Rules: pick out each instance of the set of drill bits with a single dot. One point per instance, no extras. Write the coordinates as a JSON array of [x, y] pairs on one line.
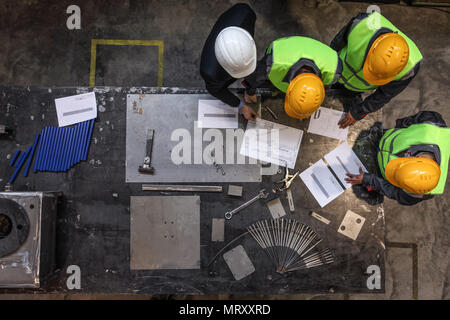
[[290, 244], [57, 149]]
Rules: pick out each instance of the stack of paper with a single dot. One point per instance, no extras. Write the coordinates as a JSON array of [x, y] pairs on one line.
[[343, 160], [320, 180], [271, 142]]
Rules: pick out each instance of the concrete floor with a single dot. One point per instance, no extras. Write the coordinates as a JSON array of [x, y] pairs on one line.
[[38, 49]]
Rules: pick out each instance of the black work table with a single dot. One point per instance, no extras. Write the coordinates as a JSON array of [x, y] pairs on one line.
[[93, 226]]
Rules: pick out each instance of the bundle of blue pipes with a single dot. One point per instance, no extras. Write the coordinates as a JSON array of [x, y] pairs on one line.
[[57, 149]]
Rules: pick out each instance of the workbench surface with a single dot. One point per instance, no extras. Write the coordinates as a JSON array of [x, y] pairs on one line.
[[93, 225]]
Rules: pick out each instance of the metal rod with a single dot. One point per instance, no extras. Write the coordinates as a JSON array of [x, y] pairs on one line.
[[181, 188]]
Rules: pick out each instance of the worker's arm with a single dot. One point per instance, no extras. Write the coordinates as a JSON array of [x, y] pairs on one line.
[[382, 95], [431, 117], [258, 78], [220, 91], [382, 186]]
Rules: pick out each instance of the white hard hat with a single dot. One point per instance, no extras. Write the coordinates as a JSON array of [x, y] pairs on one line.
[[235, 51]]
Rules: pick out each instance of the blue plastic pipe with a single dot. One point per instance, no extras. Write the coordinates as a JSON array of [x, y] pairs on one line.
[[14, 158], [30, 157], [19, 166], [69, 148], [20, 159], [88, 142], [75, 144], [40, 151], [84, 134]]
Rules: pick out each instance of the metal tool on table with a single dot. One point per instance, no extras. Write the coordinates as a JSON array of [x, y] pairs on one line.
[[271, 112], [261, 195], [285, 183], [146, 167]]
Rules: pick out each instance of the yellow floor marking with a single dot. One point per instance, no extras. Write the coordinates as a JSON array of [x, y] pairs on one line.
[[116, 42]]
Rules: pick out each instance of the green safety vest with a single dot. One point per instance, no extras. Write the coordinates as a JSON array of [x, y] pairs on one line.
[[358, 41], [288, 51], [395, 141]]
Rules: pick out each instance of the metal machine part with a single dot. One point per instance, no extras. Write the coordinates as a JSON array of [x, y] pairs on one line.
[[27, 238], [180, 188], [285, 183], [14, 226], [146, 167], [261, 195]]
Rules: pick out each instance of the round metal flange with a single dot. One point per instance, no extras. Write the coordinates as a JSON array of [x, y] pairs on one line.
[[14, 226]]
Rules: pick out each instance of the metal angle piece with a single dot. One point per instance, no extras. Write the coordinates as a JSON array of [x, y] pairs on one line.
[[235, 191], [320, 218], [276, 208], [180, 188], [351, 225], [239, 263], [290, 200]]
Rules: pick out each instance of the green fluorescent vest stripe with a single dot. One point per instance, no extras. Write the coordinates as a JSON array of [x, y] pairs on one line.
[[287, 51], [416, 134], [354, 54]]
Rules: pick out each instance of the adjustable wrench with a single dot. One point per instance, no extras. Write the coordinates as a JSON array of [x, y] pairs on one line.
[[261, 195]]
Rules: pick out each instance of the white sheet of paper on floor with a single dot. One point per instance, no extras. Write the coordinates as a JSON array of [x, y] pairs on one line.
[[276, 208], [75, 109], [351, 225], [324, 122], [321, 182], [216, 114], [271, 142], [239, 263], [218, 230], [343, 160]]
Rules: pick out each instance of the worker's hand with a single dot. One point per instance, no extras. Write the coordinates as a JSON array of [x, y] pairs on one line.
[[250, 99], [355, 179], [347, 121], [248, 112]]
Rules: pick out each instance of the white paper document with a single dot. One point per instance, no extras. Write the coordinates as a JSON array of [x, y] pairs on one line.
[[321, 182], [343, 160], [271, 142], [75, 109], [325, 123], [216, 114]]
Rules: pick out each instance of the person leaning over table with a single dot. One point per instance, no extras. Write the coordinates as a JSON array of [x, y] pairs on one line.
[[299, 66], [413, 160], [377, 57], [229, 53]]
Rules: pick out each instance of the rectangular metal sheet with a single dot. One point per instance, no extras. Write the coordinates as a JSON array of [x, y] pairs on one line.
[[276, 208], [165, 232], [172, 115], [351, 225], [239, 263], [218, 230]]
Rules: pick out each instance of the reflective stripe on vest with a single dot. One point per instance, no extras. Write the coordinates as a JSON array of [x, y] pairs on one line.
[[395, 141], [359, 40], [287, 51]]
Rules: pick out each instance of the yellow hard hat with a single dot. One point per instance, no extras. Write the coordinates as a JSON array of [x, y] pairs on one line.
[[386, 58], [415, 175], [304, 95]]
